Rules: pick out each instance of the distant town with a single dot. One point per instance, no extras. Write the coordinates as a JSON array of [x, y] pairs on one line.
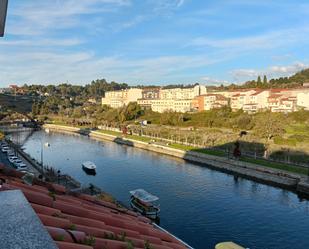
[[198, 98]]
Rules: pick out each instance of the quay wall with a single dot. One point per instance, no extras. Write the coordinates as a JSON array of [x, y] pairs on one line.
[[251, 171]]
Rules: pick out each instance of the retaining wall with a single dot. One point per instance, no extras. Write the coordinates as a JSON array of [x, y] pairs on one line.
[[255, 172]]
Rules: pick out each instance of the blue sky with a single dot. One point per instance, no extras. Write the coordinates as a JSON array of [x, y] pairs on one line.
[[153, 41]]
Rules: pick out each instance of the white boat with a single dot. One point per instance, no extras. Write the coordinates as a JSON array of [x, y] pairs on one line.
[[89, 166], [144, 203]]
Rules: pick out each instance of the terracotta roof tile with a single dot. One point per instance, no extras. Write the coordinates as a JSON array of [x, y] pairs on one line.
[[74, 219]]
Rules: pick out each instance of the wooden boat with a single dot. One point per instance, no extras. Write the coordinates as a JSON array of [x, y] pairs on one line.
[[89, 167], [144, 203]]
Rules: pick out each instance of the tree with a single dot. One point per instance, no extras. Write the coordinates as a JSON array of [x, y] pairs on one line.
[[265, 80], [269, 125], [259, 81]]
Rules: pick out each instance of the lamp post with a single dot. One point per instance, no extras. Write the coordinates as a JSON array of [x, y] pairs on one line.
[[42, 153]]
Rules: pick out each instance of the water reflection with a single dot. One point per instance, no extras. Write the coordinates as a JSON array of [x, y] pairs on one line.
[[198, 204]]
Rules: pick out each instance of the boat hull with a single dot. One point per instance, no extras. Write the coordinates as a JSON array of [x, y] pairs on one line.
[[150, 214], [89, 171]]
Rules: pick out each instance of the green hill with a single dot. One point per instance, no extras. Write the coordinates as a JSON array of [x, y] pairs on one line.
[[19, 103]]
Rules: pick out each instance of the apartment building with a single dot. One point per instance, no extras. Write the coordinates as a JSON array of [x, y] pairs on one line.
[[303, 100], [173, 99], [256, 101], [148, 94], [210, 101], [180, 105], [116, 99], [183, 93], [240, 97], [162, 105], [281, 103]]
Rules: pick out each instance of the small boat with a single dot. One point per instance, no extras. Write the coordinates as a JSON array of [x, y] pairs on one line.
[[144, 203], [47, 144], [89, 167]]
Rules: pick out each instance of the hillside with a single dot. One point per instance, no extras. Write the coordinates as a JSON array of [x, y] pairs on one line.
[[21, 104]]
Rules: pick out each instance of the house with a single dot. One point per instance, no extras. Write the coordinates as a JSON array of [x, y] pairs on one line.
[[210, 101], [256, 101]]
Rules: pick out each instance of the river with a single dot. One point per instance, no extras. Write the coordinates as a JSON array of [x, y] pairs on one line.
[[199, 205]]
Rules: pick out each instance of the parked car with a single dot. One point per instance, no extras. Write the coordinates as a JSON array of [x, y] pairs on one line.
[[17, 162], [12, 159], [21, 166], [4, 144], [5, 149], [10, 153]]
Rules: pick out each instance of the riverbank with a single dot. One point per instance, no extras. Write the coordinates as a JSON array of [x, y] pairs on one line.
[[276, 177]]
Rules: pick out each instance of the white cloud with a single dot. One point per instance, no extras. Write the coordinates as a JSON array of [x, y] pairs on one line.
[[249, 43], [82, 67], [213, 81], [271, 72], [34, 18]]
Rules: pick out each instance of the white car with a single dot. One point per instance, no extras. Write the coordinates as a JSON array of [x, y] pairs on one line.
[[10, 154], [21, 166], [13, 159], [17, 162], [5, 149]]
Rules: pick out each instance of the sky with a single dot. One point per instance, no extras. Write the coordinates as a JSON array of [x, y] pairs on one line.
[[153, 41]]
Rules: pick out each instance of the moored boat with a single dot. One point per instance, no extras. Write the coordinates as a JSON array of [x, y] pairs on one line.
[[145, 203], [89, 167]]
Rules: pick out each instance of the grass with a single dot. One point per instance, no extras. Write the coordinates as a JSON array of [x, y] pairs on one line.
[[297, 129], [134, 137], [276, 165], [191, 148], [113, 133]]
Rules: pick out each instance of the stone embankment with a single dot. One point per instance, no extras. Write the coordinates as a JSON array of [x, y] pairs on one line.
[[280, 178]]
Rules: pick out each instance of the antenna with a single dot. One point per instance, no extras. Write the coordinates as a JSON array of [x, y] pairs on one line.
[[3, 11]]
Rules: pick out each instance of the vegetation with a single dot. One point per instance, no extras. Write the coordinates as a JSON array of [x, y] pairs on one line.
[[295, 80]]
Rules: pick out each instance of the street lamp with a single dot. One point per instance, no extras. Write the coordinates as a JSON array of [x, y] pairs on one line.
[[42, 149]]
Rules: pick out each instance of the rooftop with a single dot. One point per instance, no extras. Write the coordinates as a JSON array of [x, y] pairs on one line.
[[82, 221]]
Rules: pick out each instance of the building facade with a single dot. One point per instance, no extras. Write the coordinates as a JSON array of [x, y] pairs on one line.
[[117, 99], [148, 94], [210, 101]]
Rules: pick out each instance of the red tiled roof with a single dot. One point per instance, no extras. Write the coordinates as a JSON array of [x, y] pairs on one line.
[[257, 92], [82, 221]]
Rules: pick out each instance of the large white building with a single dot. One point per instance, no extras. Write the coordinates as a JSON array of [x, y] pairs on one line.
[[120, 98], [183, 93]]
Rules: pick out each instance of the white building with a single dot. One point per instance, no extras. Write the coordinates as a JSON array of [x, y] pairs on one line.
[[303, 100], [183, 93], [116, 99]]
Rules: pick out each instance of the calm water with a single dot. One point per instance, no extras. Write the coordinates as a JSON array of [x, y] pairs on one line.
[[199, 205]]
